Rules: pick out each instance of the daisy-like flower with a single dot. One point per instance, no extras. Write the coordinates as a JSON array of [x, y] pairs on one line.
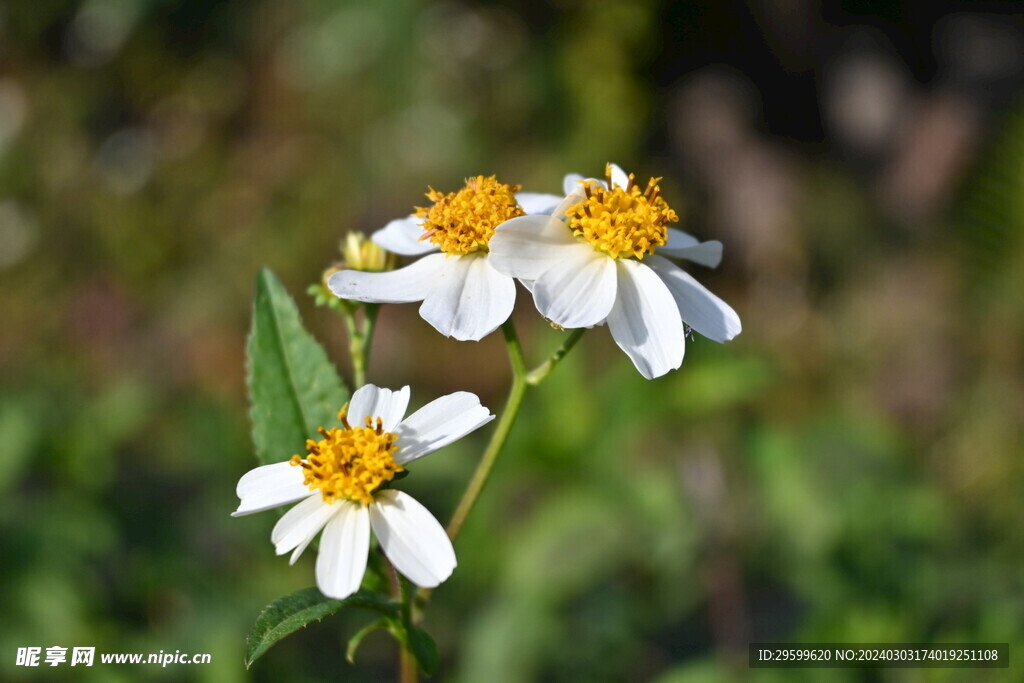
[[342, 489], [600, 258], [463, 296]]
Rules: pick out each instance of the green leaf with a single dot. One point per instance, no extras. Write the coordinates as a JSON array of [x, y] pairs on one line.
[[293, 387], [325, 297], [353, 642], [286, 615], [423, 648]]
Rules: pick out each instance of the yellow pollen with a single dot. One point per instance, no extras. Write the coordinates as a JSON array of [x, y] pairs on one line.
[[622, 222], [462, 222], [350, 463]]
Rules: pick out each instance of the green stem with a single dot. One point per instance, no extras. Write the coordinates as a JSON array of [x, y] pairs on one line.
[[359, 338], [408, 667], [366, 337], [537, 375], [521, 381], [508, 417]]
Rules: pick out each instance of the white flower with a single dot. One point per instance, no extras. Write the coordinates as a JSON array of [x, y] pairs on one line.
[[463, 296], [600, 258], [338, 486]]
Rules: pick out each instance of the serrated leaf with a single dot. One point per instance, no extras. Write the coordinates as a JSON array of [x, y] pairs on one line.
[[423, 648], [293, 387], [286, 615]]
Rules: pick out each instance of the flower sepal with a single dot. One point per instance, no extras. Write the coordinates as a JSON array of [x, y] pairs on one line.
[[322, 296]]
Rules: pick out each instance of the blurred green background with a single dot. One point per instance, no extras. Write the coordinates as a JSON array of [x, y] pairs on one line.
[[848, 469]]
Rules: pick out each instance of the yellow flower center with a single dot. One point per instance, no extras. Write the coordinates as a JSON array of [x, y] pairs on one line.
[[350, 463], [462, 222], [622, 222]]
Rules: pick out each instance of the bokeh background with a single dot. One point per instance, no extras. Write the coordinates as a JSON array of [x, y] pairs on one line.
[[848, 469]]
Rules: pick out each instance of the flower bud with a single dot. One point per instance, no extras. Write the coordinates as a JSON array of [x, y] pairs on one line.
[[331, 270], [362, 253]]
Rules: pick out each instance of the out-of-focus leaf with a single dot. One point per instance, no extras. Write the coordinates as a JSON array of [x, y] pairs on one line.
[[293, 387], [20, 429], [102, 424], [509, 636], [569, 539], [719, 384], [286, 615], [991, 210]]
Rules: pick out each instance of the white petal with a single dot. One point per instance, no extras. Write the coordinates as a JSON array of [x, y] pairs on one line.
[[699, 308], [469, 298], [571, 182], [526, 246], [341, 563], [268, 487], [682, 245], [645, 321], [301, 523], [402, 236], [677, 239], [706, 253], [571, 199], [439, 423], [413, 540], [372, 402], [297, 553], [619, 177], [538, 202], [411, 283], [579, 291]]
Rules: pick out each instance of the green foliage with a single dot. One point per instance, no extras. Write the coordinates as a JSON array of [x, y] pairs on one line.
[[357, 637], [851, 462], [991, 209], [293, 387], [423, 648], [288, 614], [324, 297]]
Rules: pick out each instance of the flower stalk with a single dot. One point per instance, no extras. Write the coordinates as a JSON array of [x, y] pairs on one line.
[[539, 373], [360, 337], [408, 667], [514, 402], [522, 380]]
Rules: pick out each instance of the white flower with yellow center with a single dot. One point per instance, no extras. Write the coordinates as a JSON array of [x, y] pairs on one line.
[[342, 486], [600, 258], [463, 296]]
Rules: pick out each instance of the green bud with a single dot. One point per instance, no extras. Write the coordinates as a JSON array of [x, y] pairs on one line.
[[362, 253]]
